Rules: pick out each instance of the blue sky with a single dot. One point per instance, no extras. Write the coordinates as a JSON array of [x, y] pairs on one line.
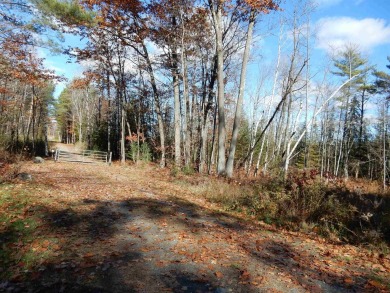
[[362, 22], [61, 63]]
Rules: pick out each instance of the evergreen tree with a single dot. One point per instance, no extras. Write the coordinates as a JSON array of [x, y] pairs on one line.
[[382, 87], [353, 99], [68, 12], [64, 117], [382, 83]]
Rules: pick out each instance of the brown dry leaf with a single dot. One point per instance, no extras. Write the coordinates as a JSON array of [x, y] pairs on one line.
[[134, 229], [163, 223], [348, 281], [376, 284], [56, 247], [145, 249], [219, 275], [160, 264], [259, 241], [88, 255], [379, 267], [40, 249], [128, 245], [194, 256], [245, 275]]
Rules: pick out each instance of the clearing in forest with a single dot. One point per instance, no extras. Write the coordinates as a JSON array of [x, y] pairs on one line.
[[94, 228]]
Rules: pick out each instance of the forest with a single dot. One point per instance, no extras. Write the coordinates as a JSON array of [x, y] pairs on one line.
[[243, 161], [166, 82]]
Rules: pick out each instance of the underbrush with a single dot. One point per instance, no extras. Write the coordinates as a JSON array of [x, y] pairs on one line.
[[26, 148], [305, 203], [10, 165]]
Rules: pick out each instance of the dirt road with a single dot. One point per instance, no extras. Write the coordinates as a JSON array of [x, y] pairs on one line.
[[137, 229]]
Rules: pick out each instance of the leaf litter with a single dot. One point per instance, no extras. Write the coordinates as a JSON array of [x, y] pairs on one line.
[[128, 228]]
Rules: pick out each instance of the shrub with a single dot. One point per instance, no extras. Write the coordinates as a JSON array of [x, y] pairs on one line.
[[143, 150], [188, 170], [174, 171], [146, 154], [10, 165], [304, 202], [28, 148]]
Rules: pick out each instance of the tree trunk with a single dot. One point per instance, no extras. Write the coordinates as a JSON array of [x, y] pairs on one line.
[[156, 97], [203, 149], [177, 120], [237, 117], [208, 98], [186, 108], [288, 152], [187, 115], [176, 95], [384, 145], [217, 15], [276, 76], [123, 130], [291, 152]]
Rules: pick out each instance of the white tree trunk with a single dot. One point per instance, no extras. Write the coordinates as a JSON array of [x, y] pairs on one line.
[[315, 115]]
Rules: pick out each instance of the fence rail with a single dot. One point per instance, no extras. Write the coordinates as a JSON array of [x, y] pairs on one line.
[[86, 156]]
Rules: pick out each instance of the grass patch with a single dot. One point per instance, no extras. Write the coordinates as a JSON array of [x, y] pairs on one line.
[[235, 266], [18, 226]]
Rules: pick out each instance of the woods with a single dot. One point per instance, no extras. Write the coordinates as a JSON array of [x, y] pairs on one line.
[[170, 78], [249, 142], [26, 86]]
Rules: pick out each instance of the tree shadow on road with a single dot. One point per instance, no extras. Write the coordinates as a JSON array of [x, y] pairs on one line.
[[157, 245]]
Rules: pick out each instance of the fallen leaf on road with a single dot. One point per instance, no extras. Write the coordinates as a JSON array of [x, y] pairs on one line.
[[348, 281], [245, 275], [219, 275]]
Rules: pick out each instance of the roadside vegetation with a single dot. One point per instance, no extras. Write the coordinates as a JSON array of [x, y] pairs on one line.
[[300, 154], [55, 229], [344, 212]]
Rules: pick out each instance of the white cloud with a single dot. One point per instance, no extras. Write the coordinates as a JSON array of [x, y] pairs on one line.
[[335, 32], [153, 48], [88, 64], [51, 66]]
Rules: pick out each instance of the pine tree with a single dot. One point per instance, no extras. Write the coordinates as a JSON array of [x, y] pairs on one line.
[[382, 83], [354, 96], [382, 86]]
